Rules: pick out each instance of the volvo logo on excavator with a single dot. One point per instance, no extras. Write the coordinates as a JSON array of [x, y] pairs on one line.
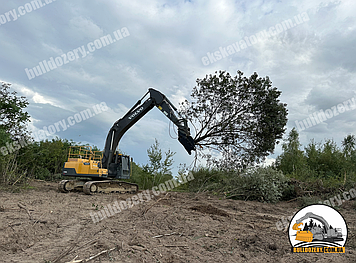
[[136, 113]]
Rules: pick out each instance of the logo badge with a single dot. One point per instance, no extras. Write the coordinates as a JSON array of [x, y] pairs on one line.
[[318, 229]]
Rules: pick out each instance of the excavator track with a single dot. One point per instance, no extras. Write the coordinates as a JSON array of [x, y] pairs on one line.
[[109, 186], [69, 185]]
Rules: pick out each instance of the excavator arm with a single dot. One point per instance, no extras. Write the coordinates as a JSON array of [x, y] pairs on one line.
[[140, 109]]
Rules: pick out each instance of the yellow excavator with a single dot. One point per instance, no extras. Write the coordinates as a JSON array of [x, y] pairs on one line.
[[325, 233], [101, 170]]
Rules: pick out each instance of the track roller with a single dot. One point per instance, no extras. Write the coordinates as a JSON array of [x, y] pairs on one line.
[[70, 185]]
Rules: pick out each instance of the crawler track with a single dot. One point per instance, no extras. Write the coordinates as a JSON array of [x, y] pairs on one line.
[[92, 187]]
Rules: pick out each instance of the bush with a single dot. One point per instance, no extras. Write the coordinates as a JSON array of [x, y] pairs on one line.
[[157, 171], [264, 184], [320, 187], [9, 170], [206, 179], [43, 174], [289, 192]]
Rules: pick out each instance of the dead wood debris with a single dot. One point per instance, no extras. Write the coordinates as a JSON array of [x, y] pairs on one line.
[[164, 235], [162, 198], [22, 206], [25, 208], [92, 257]]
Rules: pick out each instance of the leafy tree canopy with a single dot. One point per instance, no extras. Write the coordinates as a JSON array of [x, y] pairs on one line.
[[13, 118], [238, 119]]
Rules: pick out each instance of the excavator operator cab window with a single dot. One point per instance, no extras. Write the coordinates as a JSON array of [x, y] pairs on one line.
[[125, 163]]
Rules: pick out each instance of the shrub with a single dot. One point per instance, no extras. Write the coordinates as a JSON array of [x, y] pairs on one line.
[[43, 174], [263, 184], [206, 179]]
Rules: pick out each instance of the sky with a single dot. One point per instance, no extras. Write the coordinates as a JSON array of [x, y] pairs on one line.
[[58, 54]]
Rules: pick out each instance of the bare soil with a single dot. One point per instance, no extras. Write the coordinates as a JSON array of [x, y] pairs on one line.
[[181, 227]]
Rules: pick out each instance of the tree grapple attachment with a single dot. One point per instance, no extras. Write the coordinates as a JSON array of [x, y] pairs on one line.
[[187, 141]]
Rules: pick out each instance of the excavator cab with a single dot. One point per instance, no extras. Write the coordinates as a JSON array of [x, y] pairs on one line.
[[120, 168]]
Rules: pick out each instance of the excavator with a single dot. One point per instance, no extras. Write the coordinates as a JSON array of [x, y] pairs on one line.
[[102, 169], [326, 233]]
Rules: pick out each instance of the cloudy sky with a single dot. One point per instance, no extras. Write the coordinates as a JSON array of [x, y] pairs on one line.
[[168, 45]]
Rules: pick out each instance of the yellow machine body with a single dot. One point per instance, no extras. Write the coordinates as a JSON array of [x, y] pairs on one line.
[[82, 161]]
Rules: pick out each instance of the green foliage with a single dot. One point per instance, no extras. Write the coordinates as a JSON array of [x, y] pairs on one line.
[[141, 177], [239, 117], [42, 173], [41, 160], [183, 170], [158, 169], [13, 118], [9, 171], [349, 153], [320, 168], [264, 184], [289, 192], [206, 179], [292, 159], [4, 137], [45, 158]]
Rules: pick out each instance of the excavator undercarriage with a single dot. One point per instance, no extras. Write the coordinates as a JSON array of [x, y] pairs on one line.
[[92, 187]]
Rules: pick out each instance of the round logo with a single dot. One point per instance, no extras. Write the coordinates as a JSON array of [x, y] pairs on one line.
[[318, 229]]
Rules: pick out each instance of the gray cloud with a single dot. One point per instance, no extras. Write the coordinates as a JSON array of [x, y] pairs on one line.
[[312, 63]]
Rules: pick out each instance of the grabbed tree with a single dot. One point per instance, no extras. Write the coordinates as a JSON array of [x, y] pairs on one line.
[[238, 119]]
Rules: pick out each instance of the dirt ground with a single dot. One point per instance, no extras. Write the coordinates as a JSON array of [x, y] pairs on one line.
[[184, 227]]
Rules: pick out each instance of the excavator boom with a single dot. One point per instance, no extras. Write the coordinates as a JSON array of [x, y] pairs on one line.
[[139, 110]]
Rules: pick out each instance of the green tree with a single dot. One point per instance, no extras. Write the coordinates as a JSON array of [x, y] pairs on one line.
[[4, 137], [240, 118], [141, 177], [312, 153], [331, 160], [159, 166], [13, 117], [292, 160], [349, 152], [13, 120], [45, 158], [349, 146]]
